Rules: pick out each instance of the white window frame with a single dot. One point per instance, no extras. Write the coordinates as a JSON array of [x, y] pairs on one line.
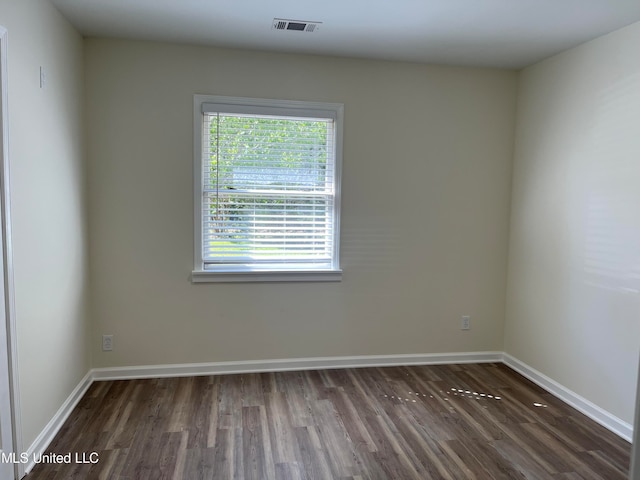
[[255, 273]]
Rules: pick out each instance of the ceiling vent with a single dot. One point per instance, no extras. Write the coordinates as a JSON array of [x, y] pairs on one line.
[[295, 25]]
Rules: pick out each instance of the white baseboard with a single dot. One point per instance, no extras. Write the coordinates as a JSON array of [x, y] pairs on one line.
[[42, 442], [282, 365], [591, 410]]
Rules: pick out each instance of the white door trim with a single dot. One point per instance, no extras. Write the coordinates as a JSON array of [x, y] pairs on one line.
[[634, 469], [7, 252]]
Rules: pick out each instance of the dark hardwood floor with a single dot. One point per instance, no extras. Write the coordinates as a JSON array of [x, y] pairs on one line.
[[451, 422]]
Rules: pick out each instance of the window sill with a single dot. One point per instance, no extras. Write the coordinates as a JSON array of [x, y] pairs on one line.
[[259, 276]]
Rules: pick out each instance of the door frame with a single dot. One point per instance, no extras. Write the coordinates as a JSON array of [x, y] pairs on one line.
[[7, 252], [634, 467]]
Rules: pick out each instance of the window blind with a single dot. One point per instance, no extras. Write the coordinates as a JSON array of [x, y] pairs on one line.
[[268, 189]]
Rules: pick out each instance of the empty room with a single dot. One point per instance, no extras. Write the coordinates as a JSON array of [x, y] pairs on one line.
[[320, 240]]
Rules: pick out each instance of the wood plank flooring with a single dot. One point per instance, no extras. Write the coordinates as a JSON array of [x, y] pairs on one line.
[[453, 422]]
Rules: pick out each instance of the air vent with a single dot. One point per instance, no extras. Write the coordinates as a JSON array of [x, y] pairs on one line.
[[295, 25]]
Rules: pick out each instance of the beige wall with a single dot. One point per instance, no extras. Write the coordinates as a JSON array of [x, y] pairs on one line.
[[426, 183], [49, 240], [573, 302]]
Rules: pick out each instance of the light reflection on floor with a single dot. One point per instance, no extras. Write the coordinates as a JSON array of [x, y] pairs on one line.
[[470, 394], [457, 392]]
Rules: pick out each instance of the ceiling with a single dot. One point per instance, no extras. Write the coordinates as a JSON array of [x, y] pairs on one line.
[[492, 33]]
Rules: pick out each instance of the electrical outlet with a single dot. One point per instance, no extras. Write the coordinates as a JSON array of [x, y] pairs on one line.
[[107, 343], [466, 323]]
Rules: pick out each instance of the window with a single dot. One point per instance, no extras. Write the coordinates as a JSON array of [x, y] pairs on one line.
[[267, 190]]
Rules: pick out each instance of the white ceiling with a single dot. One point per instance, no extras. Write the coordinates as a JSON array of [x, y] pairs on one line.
[[494, 33]]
